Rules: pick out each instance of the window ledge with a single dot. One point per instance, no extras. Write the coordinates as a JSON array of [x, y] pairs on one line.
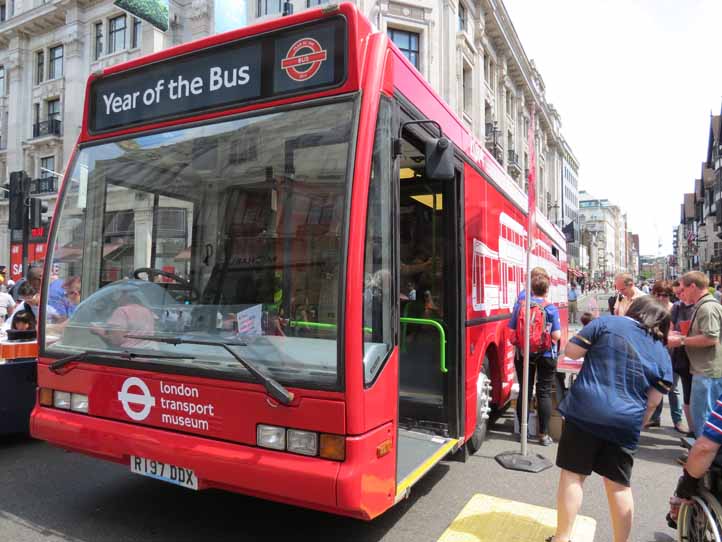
[[464, 37], [110, 59], [50, 82]]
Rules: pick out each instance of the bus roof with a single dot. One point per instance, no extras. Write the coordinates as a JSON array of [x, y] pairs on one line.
[[232, 72]]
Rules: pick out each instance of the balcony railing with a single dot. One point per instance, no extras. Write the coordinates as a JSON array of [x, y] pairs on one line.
[[38, 187], [493, 142], [513, 164], [44, 185], [47, 127]]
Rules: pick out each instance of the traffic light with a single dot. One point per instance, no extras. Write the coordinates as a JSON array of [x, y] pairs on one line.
[[19, 191], [38, 208]]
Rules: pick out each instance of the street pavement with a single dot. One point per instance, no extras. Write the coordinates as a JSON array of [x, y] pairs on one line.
[[50, 495]]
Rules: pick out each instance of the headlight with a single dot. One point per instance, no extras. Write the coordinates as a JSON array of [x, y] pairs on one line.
[[270, 436], [61, 399], [302, 442], [79, 403]]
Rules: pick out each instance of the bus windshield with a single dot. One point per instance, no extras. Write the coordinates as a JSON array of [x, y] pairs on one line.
[[230, 231]]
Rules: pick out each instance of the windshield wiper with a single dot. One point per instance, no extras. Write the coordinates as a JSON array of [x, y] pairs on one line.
[[124, 355], [274, 389]]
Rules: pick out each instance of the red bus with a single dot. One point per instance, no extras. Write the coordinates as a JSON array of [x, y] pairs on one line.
[[291, 286]]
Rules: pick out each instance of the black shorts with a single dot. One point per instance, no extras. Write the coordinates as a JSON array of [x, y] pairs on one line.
[[583, 453]]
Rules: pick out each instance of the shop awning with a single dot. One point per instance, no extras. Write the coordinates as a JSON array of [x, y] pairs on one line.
[[67, 254], [113, 251]]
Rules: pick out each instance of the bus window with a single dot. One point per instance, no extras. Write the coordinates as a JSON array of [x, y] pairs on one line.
[[380, 295], [230, 230]]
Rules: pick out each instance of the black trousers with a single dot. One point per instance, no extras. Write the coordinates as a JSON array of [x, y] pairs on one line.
[[544, 369]]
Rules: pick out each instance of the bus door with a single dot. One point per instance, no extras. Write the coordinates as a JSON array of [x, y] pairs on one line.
[[430, 334]]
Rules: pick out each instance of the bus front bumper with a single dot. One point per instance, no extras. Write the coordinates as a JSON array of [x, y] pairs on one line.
[[284, 477]]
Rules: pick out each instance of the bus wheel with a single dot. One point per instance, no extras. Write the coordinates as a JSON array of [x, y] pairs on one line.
[[483, 408]]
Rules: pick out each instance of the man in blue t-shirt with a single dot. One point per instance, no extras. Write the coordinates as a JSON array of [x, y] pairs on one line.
[[535, 271], [543, 364]]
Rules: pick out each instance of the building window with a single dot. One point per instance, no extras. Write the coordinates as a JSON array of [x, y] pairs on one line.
[[136, 33], [53, 109], [311, 3], [467, 90], [3, 12], [461, 19], [40, 67], [55, 64], [408, 42], [2, 80], [116, 34], [98, 40], [268, 7], [47, 166]]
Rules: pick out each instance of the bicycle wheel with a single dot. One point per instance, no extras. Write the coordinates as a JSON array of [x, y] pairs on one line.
[[701, 520]]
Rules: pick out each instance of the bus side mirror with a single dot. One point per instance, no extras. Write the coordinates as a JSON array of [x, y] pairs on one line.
[[440, 159]]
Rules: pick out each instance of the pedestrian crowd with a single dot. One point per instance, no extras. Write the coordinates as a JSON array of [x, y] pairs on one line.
[[659, 339], [19, 301]]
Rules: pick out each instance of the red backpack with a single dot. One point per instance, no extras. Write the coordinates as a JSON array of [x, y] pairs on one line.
[[540, 340]]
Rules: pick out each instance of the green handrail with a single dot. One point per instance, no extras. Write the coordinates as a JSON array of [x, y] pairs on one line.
[[318, 325], [442, 336]]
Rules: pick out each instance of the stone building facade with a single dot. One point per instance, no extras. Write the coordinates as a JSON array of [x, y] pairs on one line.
[[48, 48], [468, 51], [570, 201], [604, 232]]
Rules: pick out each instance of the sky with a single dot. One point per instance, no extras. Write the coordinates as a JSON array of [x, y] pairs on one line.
[[635, 82], [229, 14]]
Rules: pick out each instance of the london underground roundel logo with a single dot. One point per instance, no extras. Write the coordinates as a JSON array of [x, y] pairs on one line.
[[304, 59], [144, 399]]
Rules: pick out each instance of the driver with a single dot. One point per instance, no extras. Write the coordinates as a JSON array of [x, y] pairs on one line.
[[131, 317]]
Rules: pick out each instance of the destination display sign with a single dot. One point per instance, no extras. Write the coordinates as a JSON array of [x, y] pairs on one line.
[[302, 59]]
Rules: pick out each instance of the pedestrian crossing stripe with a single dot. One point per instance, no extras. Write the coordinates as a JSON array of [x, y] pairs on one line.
[[491, 519]]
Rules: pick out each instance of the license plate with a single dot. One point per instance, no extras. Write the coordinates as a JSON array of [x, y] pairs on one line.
[[163, 471]]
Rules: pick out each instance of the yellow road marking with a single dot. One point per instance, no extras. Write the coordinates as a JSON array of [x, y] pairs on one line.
[[422, 469], [491, 519]]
